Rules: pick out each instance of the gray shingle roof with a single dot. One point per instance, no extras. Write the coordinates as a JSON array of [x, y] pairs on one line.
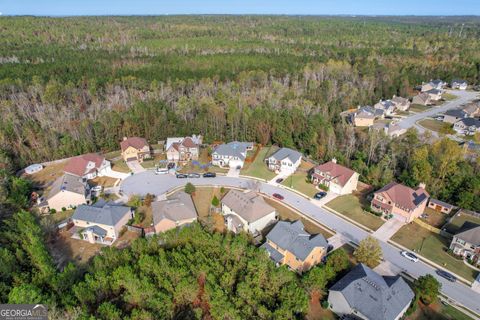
[[284, 153], [291, 236], [248, 205], [67, 182], [272, 252], [457, 113], [374, 296], [469, 232], [441, 203], [177, 208], [234, 149], [98, 231], [108, 215], [469, 122]]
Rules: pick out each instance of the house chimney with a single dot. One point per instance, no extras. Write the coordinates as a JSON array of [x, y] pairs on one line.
[[125, 138], [334, 160], [422, 185]]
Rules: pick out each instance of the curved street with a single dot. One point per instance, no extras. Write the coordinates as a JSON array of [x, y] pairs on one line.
[[147, 182]]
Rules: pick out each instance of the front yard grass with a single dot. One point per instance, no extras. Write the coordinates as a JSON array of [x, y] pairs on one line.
[[202, 198], [258, 168], [105, 182], [437, 126], [351, 205], [449, 96], [300, 182], [120, 166], [433, 247], [152, 162], [418, 108]]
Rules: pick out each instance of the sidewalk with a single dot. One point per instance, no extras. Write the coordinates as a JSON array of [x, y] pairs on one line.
[[388, 229]]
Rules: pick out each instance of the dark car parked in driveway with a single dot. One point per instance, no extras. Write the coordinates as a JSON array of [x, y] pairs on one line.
[[446, 275], [278, 196], [320, 195], [181, 176], [209, 175], [279, 180]]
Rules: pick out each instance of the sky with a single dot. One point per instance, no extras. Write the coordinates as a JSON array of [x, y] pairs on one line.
[[293, 7]]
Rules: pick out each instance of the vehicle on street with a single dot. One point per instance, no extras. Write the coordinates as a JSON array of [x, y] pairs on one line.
[[320, 195], [194, 175], [446, 275], [161, 171], [97, 189], [181, 176], [278, 196], [171, 165], [209, 175], [410, 256], [279, 180]]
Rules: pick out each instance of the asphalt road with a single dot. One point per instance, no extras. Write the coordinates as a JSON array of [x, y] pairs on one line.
[[148, 182]]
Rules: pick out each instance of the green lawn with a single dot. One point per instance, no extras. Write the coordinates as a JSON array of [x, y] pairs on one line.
[[299, 181], [61, 215], [437, 126], [120, 166], [351, 206], [458, 221], [258, 168], [449, 97], [433, 248], [418, 108], [112, 154]]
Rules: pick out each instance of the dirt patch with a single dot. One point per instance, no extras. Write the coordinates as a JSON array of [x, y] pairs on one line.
[[105, 182], [47, 175], [315, 310], [126, 239], [64, 249], [202, 198]]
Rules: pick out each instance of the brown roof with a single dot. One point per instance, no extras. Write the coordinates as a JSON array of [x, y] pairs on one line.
[[248, 205], [337, 172], [403, 196], [135, 142], [78, 165], [188, 142]]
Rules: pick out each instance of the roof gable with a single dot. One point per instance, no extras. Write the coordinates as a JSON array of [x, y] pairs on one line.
[[336, 172], [286, 153], [108, 214], [248, 205], [134, 142], [79, 165]]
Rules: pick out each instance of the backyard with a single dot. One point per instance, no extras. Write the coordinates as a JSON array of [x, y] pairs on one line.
[[47, 175], [437, 126], [434, 218], [351, 205], [300, 182], [458, 221], [433, 247], [258, 167]]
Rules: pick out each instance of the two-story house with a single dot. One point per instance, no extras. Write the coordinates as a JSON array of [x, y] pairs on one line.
[[87, 166], [459, 84], [422, 99], [403, 202], [231, 154], [68, 191], [433, 84], [453, 115], [388, 106], [366, 116], [466, 242], [401, 104], [135, 148], [183, 151], [338, 179], [289, 244], [247, 211], [285, 161], [467, 126]]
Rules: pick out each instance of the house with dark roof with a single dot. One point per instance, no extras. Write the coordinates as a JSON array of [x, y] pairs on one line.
[[186, 149], [403, 202], [453, 115], [100, 222], [364, 294], [339, 179], [459, 84], [285, 161], [247, 211], [440, 206], [231, 154], [135, 148], [68, 191], [176, 211], [433, 84], [435, 94], [466, 242], [388, 106], [467, 126], [289, 244], [87, 166]]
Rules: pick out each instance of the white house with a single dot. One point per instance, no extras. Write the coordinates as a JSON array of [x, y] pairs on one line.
[[459, 84], [231, 155], [247, 211], [433, 84], [435, 94], [285, 161], [87, 166]]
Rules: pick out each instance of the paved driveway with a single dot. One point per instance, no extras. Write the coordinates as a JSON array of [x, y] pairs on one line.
[[148, 182], [388, 229], [135, 166], [115, 174]]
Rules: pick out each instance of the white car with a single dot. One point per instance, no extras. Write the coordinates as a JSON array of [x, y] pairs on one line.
[[410, 256], [97, 189], [161, 171]]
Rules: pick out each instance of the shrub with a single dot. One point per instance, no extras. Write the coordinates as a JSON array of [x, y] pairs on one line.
[[325, 304], [53, 211], [190, 188], [64, 209], [323, 187], [215, 201]]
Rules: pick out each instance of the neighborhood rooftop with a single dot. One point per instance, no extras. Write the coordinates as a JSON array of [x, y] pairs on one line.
[[67, 182], [234, 149], [176, 208], [248, 205], [337, 172], [79, 165], [108, 214], [469, 232], [404, 196], [135, 142], [285, 153]]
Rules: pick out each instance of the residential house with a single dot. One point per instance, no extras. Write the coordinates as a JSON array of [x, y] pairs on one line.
[[87, 166], [135, 148], [232, 154], [100, 222], [435, 94], [459, 84], [197, 139], [289, 244], [68, 191], [433, 84], [403, 202], [453, 115], [364, 294], [387, 106], [401, 104], [440, 206], [183, 151], [247, 211], [365, 116], [422, 99], [284, 161], [338, 179], [466, 242], [471, 150], [176, 211], [472, 109], [392, 129], [467, 126]]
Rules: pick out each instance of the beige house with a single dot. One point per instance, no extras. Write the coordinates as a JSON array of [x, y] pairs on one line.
[[100, 222], [466, 242], [403, 202], [67, 192], [363, 118], [289, 244], [423, 99], [176, 211], [401, 104], [247, 211], [433, 84], [435, 94], [135, 148], [338, 179], [472, 109], [183, 151], [453, 115]]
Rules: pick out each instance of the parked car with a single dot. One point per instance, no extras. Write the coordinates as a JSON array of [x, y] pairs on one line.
[[278, 196], [161, 171], [446, 275], [209, 175], [181, 176], [194, 175], [279, 180], [320, 195], [171, 165], [97, 189], [410, 256]]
